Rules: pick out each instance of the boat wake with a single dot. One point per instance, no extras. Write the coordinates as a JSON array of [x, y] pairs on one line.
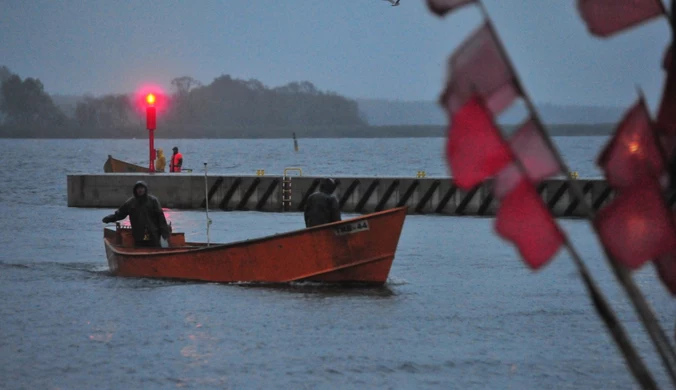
[[394, 281], [13, 265], [325, 289]]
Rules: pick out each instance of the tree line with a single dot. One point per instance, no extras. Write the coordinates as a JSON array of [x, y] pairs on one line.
[[227, 107]]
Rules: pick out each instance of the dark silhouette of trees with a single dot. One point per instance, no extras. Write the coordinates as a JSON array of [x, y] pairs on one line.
[[183, 85], [228, 102], [225, 107], [5, 74], [183, 111], [25, 102], [234, 102], [109, 111]]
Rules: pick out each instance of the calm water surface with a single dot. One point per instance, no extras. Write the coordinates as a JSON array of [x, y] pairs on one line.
[[459, 311]]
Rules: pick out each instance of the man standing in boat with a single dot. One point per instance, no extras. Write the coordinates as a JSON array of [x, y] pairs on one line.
[[176, 161], [146, 217], [322, 207]]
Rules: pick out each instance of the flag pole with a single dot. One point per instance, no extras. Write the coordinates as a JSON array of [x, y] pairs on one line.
[[634, 361], [648, 318]]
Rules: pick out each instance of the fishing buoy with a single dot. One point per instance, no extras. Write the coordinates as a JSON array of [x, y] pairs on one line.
[[295, 142]]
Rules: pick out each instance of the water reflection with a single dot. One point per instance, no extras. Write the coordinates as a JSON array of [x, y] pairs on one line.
[[200, 348], [202, 343], [102, 333], [323, 290], [181, 221]]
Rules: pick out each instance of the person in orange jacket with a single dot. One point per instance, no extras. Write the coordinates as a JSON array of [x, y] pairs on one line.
[[176, 161]]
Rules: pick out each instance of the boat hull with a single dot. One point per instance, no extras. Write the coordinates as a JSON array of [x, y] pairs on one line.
[[113, 165], [359, 250]]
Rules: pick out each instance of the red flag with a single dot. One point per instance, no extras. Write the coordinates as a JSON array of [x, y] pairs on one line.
[[633, 151], [478, 66], [442, 7], [637, 226], [524, 219], [607, 17], [475, 149], [535, 155]]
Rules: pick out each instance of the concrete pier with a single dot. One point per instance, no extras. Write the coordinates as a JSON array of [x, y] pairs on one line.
[[356, 194]]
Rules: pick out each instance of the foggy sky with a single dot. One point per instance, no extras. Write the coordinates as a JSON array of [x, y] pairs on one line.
[[358, 48]]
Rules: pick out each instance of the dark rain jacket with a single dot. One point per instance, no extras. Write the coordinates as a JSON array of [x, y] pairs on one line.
[[145, 215], [322, 207]]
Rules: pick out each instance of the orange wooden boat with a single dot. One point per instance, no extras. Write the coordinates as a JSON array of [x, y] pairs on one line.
[[358, 250], [113, 165]]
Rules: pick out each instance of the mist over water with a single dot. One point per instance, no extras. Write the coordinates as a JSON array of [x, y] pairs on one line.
[[460, 309]]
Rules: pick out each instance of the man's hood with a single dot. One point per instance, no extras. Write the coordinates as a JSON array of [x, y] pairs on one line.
[[327, 186], [139, 183]]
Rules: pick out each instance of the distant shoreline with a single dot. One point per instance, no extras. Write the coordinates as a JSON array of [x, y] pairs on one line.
[[203, 132]]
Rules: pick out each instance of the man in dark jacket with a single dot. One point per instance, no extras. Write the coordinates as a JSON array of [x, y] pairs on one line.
[[146, 217], [322, 206]]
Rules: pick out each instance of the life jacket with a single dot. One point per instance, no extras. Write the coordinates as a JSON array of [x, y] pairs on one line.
[[174, 162]]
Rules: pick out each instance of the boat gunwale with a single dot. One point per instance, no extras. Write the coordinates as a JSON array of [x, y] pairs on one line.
[[112, 160], [134, 252]]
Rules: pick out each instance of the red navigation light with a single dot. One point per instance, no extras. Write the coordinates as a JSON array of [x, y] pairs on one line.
[[150, 95], [150, 99], [153, 99], [151, 118]]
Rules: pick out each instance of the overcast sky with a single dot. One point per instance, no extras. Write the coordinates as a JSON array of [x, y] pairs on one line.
[[358, 48]]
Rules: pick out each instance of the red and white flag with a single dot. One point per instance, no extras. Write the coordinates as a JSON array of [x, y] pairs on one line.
[[475, 149], [634, 150], [478, 66], [536, 157], [442, 7], [637, 225], [524, 219], [607, 17]]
